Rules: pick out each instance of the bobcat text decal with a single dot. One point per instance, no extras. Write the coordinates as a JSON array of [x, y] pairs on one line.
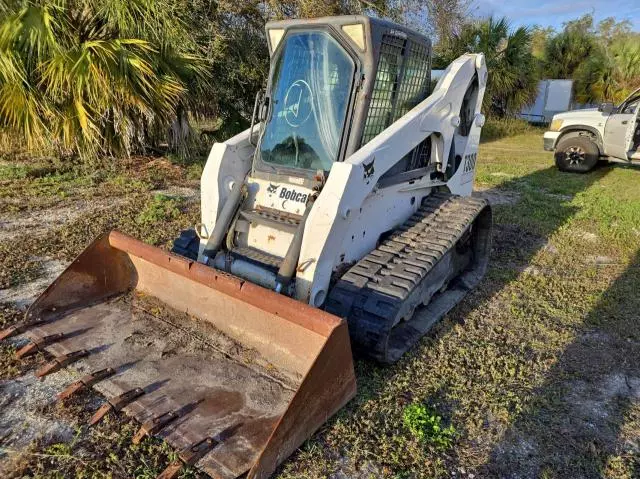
[[293, 195], [288, 194]]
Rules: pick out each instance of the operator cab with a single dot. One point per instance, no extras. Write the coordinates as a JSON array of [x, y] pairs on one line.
[[334, 84]]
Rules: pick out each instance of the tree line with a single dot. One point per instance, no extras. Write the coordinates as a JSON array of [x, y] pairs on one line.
[[117, 77]]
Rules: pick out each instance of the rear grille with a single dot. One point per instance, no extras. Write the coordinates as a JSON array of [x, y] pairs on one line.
[[403, 78]]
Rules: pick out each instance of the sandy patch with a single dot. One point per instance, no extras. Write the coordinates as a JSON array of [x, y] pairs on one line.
[[23, 401], [40, 221], [497, 196], [188, 194], [24, 294]]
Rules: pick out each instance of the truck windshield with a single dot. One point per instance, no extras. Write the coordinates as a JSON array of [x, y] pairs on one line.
[[310, 91]]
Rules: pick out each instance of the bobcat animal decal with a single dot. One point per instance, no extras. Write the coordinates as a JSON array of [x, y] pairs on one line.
[[272, 188], [368, 169]]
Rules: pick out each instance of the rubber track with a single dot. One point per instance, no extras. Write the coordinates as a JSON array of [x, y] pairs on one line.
[[372, 292]]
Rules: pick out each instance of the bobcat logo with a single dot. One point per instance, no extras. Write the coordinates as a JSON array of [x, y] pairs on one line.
[[368, 169], [272, 188]]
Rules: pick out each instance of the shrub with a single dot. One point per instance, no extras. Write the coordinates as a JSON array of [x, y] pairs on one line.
[[496, 128]]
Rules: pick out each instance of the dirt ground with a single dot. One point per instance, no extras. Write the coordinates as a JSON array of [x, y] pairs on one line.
[[537, 371]]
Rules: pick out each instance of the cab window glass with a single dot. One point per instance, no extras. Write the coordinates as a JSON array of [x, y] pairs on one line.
[[311, 88]]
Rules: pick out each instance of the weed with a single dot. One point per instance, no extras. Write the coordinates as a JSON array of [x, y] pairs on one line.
[[426, 426], [101, 452], [123, 183], [159, 208]]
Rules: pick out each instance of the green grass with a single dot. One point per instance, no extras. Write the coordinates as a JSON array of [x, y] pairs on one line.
[[537, 371], [105, 451]]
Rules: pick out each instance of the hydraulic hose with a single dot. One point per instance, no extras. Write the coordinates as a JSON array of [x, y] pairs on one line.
[[221, 227], [290, 262]]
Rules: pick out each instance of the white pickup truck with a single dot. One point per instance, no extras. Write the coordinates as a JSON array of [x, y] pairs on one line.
[[581, 137]]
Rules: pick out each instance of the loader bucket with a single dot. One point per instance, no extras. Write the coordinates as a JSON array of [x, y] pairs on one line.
[[234, 376]]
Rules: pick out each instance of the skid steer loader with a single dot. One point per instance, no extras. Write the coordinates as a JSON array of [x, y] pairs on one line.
[[341, 218]]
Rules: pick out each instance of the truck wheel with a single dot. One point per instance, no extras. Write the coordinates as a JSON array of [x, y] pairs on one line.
[[577, 154]]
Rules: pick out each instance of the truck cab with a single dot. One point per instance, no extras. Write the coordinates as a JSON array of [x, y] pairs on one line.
[[580, 138]]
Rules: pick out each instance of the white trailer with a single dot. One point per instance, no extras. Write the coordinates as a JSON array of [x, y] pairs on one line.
[[554, 96]]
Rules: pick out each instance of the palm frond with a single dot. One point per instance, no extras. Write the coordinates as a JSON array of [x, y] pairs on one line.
[[102, 76]]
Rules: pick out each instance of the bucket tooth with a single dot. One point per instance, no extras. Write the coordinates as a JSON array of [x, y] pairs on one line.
[[85, 382], [172, 471], [154, 425], [18, 328], [60, 362], [188, 457], [116, 404], [38, 344], [27, 350], [100, 413]]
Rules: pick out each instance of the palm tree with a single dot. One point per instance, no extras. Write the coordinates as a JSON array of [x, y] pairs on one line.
[[513, 77], [92, 77], [565, 52], [612, 74]]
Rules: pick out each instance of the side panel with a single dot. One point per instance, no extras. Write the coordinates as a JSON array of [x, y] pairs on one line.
[[558, 99], [390, 206], [227, 162], [325, 390], [535, 112], [597, 133], [99, 272]]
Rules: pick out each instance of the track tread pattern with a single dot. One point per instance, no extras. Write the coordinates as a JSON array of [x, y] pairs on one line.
[[371, 293]]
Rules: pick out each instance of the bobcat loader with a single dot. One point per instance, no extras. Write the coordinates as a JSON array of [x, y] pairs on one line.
[[342, 218]]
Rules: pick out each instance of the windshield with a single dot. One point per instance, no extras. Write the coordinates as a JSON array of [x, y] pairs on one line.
[[311, 85]]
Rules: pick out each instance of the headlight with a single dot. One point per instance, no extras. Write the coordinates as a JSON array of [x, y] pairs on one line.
[[556, 125]]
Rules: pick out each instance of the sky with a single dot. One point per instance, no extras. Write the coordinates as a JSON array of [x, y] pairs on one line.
[[554, 13]]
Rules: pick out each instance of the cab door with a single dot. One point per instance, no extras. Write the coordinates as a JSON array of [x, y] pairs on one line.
[[632, 138], [618, 124]]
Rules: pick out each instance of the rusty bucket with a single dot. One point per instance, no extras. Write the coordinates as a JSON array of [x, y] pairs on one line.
[[232, 375]]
